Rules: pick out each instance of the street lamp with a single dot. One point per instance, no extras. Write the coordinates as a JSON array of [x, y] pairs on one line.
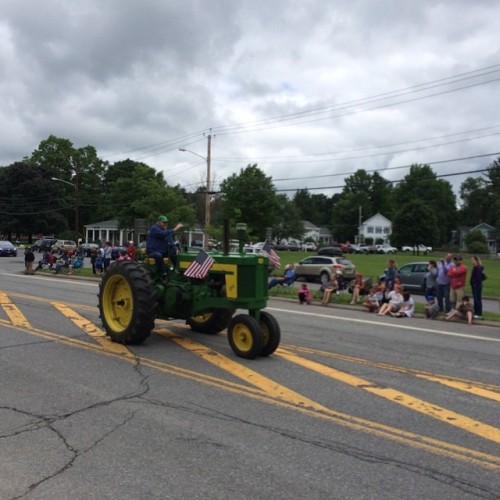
[[207, 193], [77, 203]]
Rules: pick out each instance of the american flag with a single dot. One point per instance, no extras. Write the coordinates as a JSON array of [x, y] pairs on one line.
[[200, 266], [267, 249]]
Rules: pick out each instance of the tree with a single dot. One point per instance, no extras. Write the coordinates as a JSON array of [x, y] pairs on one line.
[[415, 223], [250, 197], [476, 242], [290, 226], [133, 190], [421, 185], [29, 201], [81, 171], [315, 208], [345, 215], [476, 201]]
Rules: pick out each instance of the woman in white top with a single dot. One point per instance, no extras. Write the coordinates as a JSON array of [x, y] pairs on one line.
[[407, 309], [395, 300]]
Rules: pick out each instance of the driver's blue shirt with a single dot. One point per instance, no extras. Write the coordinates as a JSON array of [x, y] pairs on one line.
[[159, 239]]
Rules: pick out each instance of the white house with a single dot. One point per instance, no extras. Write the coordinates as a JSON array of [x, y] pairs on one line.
[[321, 235], [377, 227]]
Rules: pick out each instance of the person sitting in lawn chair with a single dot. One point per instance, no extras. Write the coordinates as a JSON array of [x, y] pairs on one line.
[[288, 278]]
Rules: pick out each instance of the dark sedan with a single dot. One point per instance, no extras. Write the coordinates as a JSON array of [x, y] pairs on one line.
[[330, 251], [7, 249], [413, 276]]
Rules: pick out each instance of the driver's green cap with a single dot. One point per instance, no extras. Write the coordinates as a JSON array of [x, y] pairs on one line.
[[162, 218]]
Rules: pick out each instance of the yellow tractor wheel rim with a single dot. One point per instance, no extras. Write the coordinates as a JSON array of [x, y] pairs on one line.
[[242, 337], [118, 303]]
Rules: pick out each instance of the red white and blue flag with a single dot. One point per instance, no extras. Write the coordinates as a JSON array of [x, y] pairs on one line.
[[267, 250], [200, 266]]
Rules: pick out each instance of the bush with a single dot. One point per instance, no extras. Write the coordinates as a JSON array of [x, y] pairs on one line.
[[477, 247]]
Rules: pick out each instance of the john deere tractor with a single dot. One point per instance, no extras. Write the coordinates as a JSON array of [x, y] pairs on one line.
[[132, 295]]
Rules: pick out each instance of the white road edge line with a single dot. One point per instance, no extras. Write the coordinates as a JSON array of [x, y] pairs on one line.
[[389, 325]]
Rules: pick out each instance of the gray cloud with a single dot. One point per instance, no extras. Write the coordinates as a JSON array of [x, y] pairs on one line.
[[122, 75]]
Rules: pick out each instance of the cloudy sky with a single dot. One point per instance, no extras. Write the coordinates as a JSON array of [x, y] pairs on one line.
[[309, 90]]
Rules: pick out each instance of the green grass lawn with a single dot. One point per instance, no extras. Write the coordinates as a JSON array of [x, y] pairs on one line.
[[374, 264]]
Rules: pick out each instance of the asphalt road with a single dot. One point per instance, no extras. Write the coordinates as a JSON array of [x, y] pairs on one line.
[[351, 406]]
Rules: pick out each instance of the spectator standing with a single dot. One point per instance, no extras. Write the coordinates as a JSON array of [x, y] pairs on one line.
[[107, 254], [458, 277], [476, 283], [431, 278], [304, 294], [443, 284], [390, 275], [29, 258], [99, 261], [93, 258]]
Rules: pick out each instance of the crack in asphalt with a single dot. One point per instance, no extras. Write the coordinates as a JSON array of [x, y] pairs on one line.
[[460, 484], [49, 421]]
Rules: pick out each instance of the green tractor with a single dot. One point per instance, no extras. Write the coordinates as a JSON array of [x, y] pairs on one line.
[[132, 296]]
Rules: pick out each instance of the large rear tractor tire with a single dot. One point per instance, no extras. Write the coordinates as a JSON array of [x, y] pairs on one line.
[[245, 336], [211, 322], [127, 302], [271, 332]]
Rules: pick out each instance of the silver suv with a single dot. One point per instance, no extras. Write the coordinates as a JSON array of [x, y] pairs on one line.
[[322, 267]]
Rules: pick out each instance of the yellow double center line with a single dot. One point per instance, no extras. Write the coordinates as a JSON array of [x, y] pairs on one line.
[[270, 391]]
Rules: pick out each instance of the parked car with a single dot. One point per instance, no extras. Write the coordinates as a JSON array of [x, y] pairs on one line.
[[368, 248], [43, 245], [309, 246], [345, 247], [412, 276], [7, 249], [88, 248], [386, 249], [322, 267], [64, 245], [419, 248], [354, 248], [331, 251]]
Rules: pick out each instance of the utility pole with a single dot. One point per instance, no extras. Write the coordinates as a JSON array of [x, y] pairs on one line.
[[207, 194]]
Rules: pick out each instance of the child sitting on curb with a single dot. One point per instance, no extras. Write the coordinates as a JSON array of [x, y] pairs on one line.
[[464, 310], [431, 308], [304, 294], [357, 286], [374, 299]]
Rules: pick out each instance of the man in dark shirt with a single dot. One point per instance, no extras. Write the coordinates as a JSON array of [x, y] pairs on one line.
[[158, 241]]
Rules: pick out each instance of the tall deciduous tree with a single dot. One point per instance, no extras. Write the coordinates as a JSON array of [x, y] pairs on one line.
[[421, 185], [476, 202], [250, 197], [415, 223], [135, 190], [29, 203]]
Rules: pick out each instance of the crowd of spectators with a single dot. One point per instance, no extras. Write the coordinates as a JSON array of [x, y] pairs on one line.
[[445, 296], [69, 261]]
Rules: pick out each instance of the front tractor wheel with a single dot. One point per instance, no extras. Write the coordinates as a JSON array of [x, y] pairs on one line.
[[271, 332], [127, 302], [211, 322], [245, 336]]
